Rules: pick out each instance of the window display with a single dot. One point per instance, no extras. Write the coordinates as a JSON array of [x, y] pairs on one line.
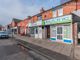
[[67, 31], [53, 31], [61, 32]]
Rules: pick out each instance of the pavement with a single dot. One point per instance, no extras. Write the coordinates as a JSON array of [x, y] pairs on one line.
[[65, 49]]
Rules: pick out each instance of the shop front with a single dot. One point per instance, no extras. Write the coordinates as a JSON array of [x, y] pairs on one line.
[[61, 33], [39, 26], [60, 29], [36, 29], [14, 30], [63, 29], [33, 30], [30, 30]]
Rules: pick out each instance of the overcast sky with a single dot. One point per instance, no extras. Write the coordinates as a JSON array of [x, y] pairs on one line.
[[22, 8]]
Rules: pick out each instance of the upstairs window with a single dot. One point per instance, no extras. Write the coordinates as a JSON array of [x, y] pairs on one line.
[[54, 13], [60, 11], [39, 17]]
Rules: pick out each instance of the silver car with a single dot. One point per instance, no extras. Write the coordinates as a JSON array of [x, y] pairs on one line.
[[3, 34]]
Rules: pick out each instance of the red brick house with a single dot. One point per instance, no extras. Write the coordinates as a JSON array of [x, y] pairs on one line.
[[14, 25], [23, 26], [57, 14], [47, 23]]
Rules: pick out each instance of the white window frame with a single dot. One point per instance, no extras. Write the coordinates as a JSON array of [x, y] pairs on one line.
[[54, 13], [60, 11], [59, 34], [51, 31], [67, 26], [39, 17]]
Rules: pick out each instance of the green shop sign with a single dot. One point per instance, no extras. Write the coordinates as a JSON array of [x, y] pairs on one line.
[[63, 19]]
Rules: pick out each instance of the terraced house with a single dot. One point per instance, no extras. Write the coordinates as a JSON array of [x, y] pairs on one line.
[[58, 24], [23, 26], [13, 24]]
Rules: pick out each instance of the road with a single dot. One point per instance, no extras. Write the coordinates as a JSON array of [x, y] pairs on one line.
[[10, 51]]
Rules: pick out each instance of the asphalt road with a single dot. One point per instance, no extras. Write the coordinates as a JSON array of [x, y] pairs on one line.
[[10, 51]]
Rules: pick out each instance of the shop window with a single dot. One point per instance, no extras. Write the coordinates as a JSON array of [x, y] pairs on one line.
[[36, 30], [67, 31], [32, 30], [53, 31]]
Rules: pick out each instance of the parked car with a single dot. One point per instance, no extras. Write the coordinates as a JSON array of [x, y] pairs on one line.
[[3, 34]]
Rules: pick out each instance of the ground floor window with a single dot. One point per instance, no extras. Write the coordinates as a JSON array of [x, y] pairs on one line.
[[32, 30], [67, 31], [61, 32], [53, 31], [36, 30]]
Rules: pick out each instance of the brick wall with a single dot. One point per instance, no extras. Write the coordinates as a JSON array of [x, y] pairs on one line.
[[47, 15], [35, 18], [70, 7], [14, 24]]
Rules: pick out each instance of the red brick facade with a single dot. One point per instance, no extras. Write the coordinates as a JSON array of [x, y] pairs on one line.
[[66, 8]]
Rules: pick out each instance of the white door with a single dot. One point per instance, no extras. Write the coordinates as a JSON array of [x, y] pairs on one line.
[[59, 33]]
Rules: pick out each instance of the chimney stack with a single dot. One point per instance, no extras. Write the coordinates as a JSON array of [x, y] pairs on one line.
[[42, 10]]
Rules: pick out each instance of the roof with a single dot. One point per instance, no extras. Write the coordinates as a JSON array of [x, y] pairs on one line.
[[77, 12], [16, 20], [53, 8]]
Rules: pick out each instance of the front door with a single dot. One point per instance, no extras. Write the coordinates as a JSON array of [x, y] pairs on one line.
[[59, 33], [48, 31]]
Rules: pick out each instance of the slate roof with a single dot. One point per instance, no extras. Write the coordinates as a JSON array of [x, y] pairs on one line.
[[16, 20]]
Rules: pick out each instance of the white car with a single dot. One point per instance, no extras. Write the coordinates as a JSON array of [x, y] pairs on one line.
[[3, 34]]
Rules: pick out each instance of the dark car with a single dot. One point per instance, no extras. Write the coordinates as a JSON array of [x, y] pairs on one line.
[[3, 34]]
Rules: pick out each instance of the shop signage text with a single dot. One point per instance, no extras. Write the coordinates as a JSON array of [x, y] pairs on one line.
[[64, 19]]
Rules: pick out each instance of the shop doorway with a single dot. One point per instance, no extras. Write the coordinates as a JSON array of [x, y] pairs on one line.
[[59, 33], [48, 31]]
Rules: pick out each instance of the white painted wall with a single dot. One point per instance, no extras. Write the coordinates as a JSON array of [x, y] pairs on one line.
[[44, 33], [40, 32]]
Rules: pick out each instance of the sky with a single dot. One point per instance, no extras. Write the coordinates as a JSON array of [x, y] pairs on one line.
[[20, 9]]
